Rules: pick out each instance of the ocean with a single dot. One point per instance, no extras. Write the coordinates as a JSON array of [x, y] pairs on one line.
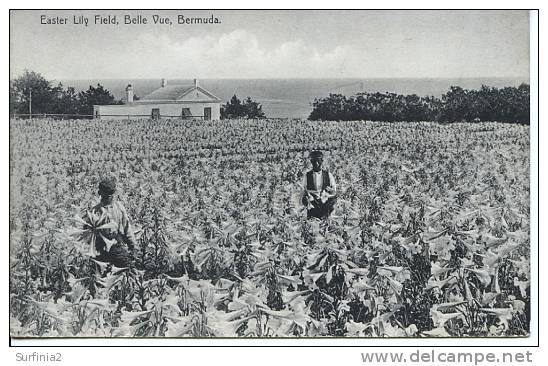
[[293, 98]]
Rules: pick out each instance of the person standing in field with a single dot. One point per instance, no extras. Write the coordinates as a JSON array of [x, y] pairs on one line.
[[320, 189], [116, 244]]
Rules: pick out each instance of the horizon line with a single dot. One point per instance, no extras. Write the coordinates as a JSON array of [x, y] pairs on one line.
[[301, 78]]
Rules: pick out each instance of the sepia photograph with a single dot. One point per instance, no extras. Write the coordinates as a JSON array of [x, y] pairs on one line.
[[270, 174]]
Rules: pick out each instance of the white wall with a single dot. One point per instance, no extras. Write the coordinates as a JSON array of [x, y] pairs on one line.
[[138, 110]]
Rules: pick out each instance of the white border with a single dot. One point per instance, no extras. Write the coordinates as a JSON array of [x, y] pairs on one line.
[[322, 342]]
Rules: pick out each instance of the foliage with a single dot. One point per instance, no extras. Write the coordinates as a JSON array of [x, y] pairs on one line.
[[47, 99], [508, 104], [430, 236], [249, 109], [68, 101], [94, 96], [33, 86], [487, 104]]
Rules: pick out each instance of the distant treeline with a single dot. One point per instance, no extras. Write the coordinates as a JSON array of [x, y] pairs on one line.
[[509, 104], [33, 89]]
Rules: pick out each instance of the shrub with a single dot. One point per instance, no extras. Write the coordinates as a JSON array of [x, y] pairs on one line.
[[249, 109], [509, 104]]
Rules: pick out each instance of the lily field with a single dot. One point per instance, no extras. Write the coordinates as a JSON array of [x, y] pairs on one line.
[[430, 235]]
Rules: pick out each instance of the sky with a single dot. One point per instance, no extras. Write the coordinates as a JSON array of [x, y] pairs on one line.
[[273, 44]]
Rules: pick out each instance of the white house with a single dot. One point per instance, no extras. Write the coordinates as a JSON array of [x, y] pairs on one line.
[[169, 101]]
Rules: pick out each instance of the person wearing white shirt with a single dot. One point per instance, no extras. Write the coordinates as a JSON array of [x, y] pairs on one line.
[[320, 189]]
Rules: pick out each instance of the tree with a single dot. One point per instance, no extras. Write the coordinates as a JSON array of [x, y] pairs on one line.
[[332, 108], [253, 109], [415, 108], [456, 104], [31, 88], [523, 99], [236, 109], [94, 96], [509, 104], [13, 99], [67, 101]]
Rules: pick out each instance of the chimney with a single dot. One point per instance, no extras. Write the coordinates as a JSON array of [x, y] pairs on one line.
[[195, 83], [129, 93], [164, 83]]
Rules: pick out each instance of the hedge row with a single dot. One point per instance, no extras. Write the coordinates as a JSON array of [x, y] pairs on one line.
[[509, 104]]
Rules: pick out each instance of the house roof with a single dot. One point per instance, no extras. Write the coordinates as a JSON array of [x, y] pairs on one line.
[[169, 92], [175, 93]]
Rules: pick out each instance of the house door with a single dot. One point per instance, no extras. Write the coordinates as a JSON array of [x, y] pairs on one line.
[[155, 113], [207, 114]]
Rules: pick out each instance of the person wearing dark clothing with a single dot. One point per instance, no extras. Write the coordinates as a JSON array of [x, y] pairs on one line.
[[320, 189], [116, 244]]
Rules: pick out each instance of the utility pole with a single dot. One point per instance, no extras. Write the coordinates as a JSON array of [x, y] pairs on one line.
[[30, 103]]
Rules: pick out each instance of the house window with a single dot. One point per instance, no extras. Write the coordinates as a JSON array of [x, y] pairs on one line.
[[207, 114], [185, 113], [155, 113]]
